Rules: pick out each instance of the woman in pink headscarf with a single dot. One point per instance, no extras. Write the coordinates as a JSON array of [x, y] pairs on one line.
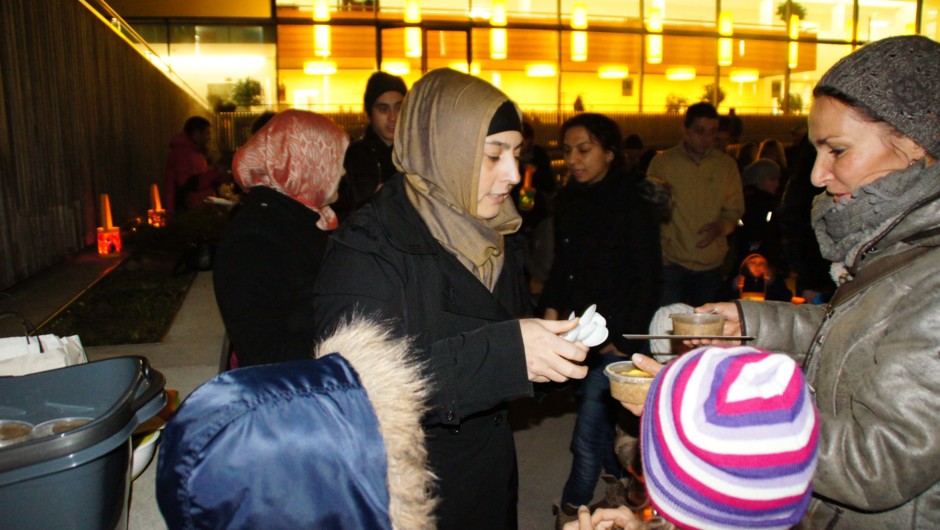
[[268, 257]]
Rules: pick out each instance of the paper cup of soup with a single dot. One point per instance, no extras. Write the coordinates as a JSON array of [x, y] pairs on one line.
[[697, 324], [628, 383], [59, 426], [14, 431]]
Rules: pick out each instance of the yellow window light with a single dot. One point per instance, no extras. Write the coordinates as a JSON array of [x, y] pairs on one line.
[[498, 47], [396, 67], [413, 11], [654, 49], [579, 15], [725, 51], [680, 73], [319, 67], [498, 16], [321, 11], [725, 24], [744, 75], [412, 42], [541, 70], [613, 71], [579, 46], [321, 40]]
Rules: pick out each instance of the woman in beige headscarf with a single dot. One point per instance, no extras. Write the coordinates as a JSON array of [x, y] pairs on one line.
[[434, 254]]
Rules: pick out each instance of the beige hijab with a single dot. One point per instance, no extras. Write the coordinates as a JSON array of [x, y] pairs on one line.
[[439, 146]]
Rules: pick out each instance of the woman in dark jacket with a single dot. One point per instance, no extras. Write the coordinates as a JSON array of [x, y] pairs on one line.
[[433, 254], [268, 257], [607, 252]]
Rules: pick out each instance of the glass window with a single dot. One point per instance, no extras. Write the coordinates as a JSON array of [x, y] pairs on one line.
[[754, 14], [448, 49], [687, 66], [928, 19], [684, 13], [802, 81], [211, 59], [529, 73], [608, 77], [333, 82], [879, 19]]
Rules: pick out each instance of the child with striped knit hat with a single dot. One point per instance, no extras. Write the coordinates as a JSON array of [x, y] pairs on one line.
[[728, 440]]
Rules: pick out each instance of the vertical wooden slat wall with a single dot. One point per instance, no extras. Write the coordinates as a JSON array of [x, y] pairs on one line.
[[81, 113]]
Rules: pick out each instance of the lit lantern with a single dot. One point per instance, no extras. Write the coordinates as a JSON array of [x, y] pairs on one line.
[[579, 16], [156, 215], [654, 49], [725, 51], [321, 40], [725, 43], [579, 46], [412, 34], [498, 46], [654, 43], [109, 236], [412, 42], [794, 51], [321, 11]]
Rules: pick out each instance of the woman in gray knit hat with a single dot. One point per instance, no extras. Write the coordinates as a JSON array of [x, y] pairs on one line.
[[872, 356]]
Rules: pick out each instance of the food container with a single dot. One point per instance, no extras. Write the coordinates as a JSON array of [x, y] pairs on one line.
[[698, 324], [627, 383], [14, 432], [144, 448], [78, 478], [59, 426]]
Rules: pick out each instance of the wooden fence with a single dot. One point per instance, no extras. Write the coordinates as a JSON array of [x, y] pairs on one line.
[[82, 113]]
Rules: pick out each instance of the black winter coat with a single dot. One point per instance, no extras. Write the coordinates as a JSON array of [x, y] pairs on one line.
[[368, 163], [263, 275], [384, 262], [607, 252]]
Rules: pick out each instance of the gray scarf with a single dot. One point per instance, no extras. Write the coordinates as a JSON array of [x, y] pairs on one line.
[[843, 228]]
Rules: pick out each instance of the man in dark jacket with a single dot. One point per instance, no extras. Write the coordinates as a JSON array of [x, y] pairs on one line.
[[369, 159]]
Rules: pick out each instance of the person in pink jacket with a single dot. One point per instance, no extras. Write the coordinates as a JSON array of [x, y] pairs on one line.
[[189, 178]]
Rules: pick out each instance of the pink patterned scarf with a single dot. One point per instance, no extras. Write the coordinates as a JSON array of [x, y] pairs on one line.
[[299, 154]]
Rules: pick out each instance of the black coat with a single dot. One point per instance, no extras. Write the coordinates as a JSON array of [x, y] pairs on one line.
[[368, 164], [263, 275], [383, 261], [607, 252]]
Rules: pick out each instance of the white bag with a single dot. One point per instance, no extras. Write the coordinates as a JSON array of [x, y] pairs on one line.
[[27, 355]]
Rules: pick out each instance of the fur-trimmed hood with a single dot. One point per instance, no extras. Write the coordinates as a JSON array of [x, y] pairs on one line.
[[398, 394], [334, 442]]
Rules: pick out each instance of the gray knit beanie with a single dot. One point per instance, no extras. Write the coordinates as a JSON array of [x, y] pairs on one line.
[[898, 80]]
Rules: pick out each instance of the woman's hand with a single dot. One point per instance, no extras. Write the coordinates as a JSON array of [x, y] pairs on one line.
[[729, 310], [648, 365], [549, 357], [604, 518]]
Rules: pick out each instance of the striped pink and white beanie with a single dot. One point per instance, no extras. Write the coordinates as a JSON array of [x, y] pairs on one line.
[[729, 440]]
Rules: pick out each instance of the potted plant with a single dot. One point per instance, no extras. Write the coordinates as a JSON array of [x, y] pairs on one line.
[[795, 9], [246, 92]]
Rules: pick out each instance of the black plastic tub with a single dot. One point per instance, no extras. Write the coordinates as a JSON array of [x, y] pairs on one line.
[[78, 478]]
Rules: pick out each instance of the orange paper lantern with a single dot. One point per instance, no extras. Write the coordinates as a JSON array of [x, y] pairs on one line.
[[156, 215], [109, 236]]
